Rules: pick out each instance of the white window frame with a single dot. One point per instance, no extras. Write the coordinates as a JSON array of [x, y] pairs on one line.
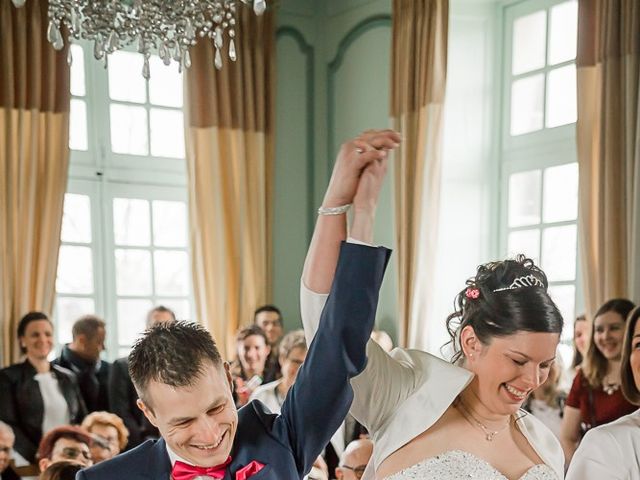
[[103, 175]]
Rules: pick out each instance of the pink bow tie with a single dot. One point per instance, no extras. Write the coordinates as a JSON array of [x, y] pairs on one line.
[[184, 471]]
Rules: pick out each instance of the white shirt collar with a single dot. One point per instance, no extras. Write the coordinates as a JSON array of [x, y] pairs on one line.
[[173, 457]]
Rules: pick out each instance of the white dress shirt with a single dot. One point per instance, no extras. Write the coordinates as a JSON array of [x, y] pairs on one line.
[[56, 409], [609, 452]]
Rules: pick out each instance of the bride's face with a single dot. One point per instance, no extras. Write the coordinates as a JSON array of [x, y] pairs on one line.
[[509, 368]]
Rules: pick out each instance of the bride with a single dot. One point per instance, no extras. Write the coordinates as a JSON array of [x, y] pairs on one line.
[[430, 419]]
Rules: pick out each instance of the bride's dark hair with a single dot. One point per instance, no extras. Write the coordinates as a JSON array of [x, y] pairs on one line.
[[503, 298]]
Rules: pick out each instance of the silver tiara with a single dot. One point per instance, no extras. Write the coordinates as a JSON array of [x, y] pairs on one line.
[[523, 282]]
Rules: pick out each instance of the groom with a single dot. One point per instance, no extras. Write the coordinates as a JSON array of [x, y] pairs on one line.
[[185, 388]]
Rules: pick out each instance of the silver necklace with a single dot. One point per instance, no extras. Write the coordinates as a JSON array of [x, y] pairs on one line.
[[468, 416], [610, 388]]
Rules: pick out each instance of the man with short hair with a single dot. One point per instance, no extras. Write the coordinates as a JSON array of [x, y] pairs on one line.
[[185, 389], [269, 319], [82, 357], [66, 443], [7, 439], [354, 459], [122, 394]]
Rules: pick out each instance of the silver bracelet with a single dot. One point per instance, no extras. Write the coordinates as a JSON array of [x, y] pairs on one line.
[[334, 210]]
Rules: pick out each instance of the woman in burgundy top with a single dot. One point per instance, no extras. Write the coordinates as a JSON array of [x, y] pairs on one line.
[[595, 397]]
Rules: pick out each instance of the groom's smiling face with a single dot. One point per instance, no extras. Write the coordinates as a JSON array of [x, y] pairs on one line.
[[198, 422]]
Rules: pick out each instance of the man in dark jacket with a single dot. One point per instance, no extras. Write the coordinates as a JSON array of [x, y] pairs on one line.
[[82, 357], [185, 390], [123, 396]]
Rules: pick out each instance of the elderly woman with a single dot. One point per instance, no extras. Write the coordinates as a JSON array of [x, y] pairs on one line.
[[611, 451], [109, 435], [36, 395]]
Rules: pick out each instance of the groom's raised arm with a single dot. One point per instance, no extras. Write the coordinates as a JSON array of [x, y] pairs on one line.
[[321, 395]]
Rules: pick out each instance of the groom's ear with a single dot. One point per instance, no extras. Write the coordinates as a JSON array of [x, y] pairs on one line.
[[148, 412], [227, 372]]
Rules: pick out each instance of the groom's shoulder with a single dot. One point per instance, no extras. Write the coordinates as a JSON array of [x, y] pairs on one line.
[[132, 464]]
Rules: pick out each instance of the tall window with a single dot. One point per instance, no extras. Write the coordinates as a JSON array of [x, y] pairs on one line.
[[539, 169], [125, 225]]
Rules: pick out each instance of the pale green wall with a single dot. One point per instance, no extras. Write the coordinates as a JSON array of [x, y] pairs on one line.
[[349, 45], [347, 91]]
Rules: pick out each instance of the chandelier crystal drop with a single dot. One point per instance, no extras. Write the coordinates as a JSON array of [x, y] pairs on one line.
[[166, 27]]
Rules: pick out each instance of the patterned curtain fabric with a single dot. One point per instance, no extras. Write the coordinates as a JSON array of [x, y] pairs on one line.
[[608, 133], [34, 158], [419, 71], [230, 155]]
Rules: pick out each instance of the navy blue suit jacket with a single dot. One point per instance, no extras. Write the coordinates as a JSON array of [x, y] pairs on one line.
[[288, 444]]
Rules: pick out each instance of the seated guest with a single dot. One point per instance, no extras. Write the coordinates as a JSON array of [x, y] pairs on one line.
[[269, 319], [6, 446], [610, 452], [595, 397], [546, 402], [354, 460], [37, 396], [110, 432], [122, 394], [82, 357], [61, 471], [292, 352], [248, 369], [68, 443]]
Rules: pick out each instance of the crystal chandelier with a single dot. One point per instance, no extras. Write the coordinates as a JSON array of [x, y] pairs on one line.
[[168, 27]]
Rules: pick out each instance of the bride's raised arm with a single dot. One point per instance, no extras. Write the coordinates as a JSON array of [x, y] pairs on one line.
[[357, 178]]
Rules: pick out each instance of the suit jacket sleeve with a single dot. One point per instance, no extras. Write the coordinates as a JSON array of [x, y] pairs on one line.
[[320, 398], [372, 404], [9, 415], [119, 400]]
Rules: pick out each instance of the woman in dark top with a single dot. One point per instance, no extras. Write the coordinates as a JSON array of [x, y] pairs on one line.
[[595, 397], [37, 396]]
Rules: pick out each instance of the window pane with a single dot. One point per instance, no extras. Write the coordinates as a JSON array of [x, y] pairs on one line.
[[76, 219], [68, 310], [129, 129], [126, 82], [78, 125], [565, 297], [133, 272], [529, 42], [524, 198], [165, 85], [559, 253], [563, 35], [77, 71], [75, 270], [131, 225], [169, 224], [560, 200], [181, 308], [527, 104], [132, 319], [171, 271], [167, 133], [561, 97], [526, 242]]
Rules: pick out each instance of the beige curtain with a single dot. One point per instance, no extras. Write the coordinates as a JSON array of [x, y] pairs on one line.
[[34, 157], [419, 70], [230, 154], [608, 133]]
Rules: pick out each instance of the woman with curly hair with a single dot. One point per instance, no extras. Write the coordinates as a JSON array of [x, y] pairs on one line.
[[430, 418]]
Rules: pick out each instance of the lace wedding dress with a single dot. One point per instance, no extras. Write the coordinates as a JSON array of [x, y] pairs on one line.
[[456, 464]]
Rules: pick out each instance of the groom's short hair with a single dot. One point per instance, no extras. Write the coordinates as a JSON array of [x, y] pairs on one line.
[[173, 353]]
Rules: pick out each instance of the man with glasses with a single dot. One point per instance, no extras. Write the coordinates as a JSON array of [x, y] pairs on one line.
[[7, 438], [66, 443], [354, 460]]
